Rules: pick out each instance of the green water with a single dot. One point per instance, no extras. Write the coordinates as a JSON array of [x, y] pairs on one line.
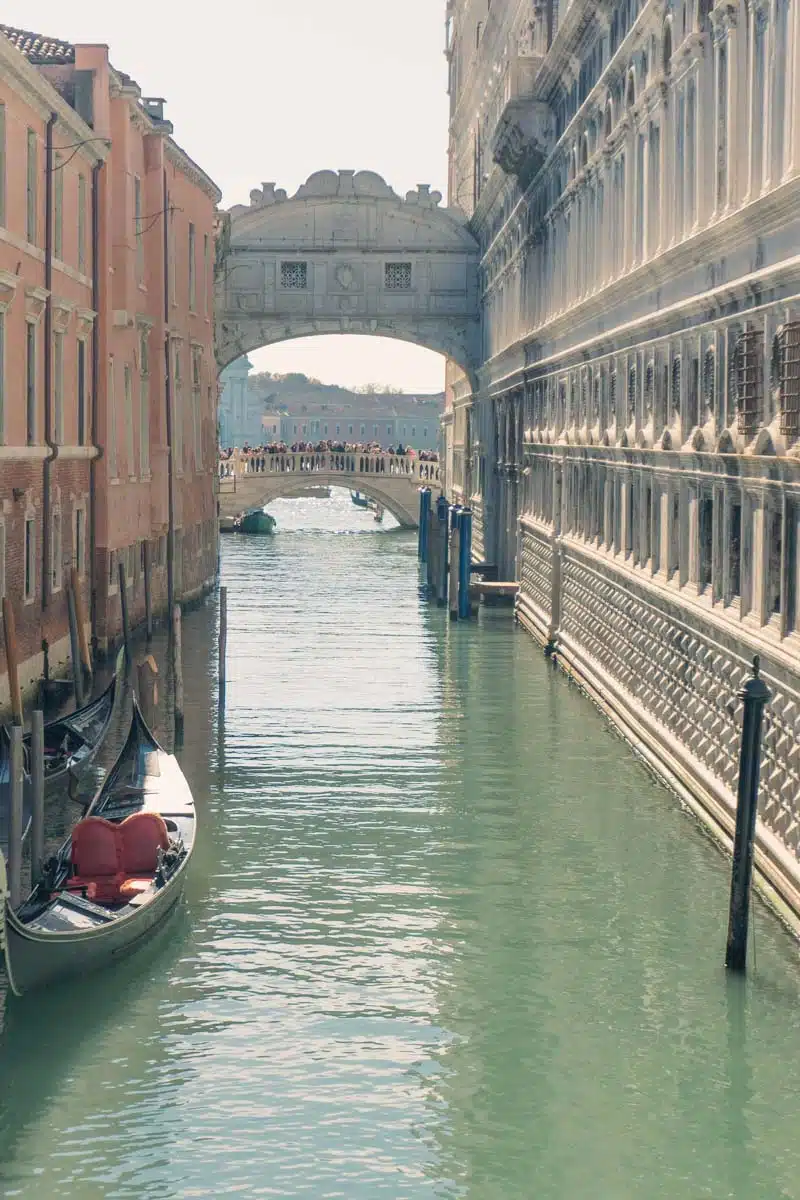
[[443, 936]]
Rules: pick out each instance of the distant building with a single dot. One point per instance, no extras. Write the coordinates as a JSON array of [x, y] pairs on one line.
[[240, 410]]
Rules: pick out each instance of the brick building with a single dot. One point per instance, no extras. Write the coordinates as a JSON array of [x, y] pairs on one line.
[[111, 430]]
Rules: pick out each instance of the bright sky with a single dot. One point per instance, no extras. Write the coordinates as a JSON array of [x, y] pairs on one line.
[[270, 90]]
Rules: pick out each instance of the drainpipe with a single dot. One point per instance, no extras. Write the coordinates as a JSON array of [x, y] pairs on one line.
[[52, 454], [168, 397], [93, 392]]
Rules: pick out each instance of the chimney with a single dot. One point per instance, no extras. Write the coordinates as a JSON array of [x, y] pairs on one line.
[[154, 107]]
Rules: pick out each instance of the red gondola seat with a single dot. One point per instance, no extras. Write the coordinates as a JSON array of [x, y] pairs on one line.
[[96, 859], [142, 835]]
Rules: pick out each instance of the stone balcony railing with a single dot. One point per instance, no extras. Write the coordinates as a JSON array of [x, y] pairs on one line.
[[345, 463]]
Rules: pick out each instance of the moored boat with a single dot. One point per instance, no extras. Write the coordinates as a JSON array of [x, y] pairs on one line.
[[115, 878], [256, 520], [70, 745], [361, 501]]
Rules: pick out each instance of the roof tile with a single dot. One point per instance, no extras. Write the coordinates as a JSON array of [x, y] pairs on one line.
[[38, 49]]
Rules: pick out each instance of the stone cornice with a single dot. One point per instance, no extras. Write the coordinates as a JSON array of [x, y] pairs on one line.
[[35, 300], [188, 167], [8, 289]]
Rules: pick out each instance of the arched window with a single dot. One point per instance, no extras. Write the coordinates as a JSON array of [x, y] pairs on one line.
[[709, 382], [630, 92], [702, 14], [609, 123], [631, 395], [666, 45], [676, 386]]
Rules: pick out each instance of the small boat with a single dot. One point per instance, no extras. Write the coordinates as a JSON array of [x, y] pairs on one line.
[[361, 501], [256, 520], [378, 513], [70, 744], [115, 878]]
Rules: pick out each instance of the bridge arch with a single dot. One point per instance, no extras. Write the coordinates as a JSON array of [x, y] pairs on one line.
[[251, 480], [347, 255]]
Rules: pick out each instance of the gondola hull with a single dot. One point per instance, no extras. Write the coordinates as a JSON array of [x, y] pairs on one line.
[[59, 933], [35, 959]]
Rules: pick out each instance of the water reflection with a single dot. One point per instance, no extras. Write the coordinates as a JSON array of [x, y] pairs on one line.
[[443, 936]]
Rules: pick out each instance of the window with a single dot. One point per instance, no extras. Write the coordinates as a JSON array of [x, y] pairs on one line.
[[397, 277], [676, 387], [81, 397], [631, 418], [388, 431], [82, 224], [112, 423], [2, 164], [31, 196], [138, 228], [192, 270], [425, 431], [197, 424], [130, 449], [722, 126], [56, 567], [363, 430], [58, 207], [788, 379], [79, 540], [709, 383], [705, 533], [735, 552], [177, 400], [294, 276], [749, 366], [30, 381], [58, 388], [206, 273], [30, 558], [144, 403], [171, 247]]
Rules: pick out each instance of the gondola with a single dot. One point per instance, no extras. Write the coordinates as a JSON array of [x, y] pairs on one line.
[[116, 877], [70, 744], [361, 501]]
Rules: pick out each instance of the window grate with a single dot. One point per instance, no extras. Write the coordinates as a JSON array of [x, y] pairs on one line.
[[749, 366], [789, 379], [709, 381], [294, 276], [397, 277], [631, 395], [649, 388], [676, 386]]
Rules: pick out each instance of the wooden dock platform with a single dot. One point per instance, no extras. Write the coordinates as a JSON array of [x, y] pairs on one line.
[[492, 591]]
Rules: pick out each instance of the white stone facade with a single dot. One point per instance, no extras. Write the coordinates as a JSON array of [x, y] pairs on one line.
[[632, 447], [346, 254]]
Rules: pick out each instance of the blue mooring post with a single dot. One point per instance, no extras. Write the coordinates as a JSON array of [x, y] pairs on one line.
[[755, 695], [464, 563], [442, 509], [424, 509]]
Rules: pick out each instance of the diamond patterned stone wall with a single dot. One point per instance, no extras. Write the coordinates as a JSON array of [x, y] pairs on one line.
[[683, 679], [536, 571]]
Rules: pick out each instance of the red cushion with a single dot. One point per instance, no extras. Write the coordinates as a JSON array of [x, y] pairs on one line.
[[142, 836], [96, 848], [104, 890]]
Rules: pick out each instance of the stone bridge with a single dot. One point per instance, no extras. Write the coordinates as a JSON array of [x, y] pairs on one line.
[[347, 254], [252, 480]]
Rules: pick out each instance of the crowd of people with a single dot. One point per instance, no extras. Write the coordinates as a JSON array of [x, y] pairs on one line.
[[329, 447]]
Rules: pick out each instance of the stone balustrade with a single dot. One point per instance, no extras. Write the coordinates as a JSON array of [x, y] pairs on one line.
[[345, 463]]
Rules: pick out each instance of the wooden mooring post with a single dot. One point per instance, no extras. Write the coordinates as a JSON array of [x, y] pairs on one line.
[[80, 615], [755, 695], [455, 544], [123, 602], [177, 671], [37, 783], [147, 687], [74, 647], [15, 818], [12, 659]]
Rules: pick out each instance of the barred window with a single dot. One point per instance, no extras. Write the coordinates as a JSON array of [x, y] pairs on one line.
[[613, 398], [294, 276], [397, 276], [631, 395], [749, 367], [676, 386], [649, 389], [788, 378], [709, 381]]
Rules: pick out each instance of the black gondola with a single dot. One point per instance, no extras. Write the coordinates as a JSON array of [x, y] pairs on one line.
[[115, 878]]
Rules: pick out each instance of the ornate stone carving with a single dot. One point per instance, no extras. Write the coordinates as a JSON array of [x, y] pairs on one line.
[[523, 139]]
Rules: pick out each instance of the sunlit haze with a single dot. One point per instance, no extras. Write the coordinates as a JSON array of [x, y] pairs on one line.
[[278, 92]]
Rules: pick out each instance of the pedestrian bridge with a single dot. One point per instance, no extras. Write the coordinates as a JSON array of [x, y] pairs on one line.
[[251, 480]]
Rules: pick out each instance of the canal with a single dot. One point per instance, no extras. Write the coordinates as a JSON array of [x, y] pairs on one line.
[[443, 936]]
